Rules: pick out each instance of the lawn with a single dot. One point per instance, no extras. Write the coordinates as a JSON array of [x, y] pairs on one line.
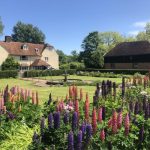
[[84, 78], [58, 91]]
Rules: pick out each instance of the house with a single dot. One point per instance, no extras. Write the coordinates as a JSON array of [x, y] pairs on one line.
[[29, 55], [129, 55]]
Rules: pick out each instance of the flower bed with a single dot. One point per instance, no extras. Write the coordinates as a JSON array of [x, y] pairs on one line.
[[117, 119]]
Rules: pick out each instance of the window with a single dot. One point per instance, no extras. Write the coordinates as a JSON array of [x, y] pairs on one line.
[[135, 65], [112, 65], [25, 47], [46, 58], [23, 57], [24, 68], [36, 50]]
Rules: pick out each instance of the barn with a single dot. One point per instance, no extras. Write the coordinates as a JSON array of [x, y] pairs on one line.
[[129, 55]]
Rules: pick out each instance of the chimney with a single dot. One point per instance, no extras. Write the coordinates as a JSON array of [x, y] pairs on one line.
[[8, 39]]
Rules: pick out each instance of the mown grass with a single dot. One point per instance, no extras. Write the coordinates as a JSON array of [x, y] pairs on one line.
[[57, 91]]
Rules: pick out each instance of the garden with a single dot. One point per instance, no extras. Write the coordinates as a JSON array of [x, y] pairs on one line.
[[109, 115]]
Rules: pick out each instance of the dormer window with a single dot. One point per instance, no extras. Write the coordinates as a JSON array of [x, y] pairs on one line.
[[25, 47], [36, 50]]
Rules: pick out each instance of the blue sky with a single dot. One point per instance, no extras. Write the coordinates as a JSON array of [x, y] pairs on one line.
[[66, 22]]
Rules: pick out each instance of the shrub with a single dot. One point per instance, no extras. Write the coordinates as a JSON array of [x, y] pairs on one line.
[[117, 71], [10, 64], [40, 73], [8, 74], [73, 65]]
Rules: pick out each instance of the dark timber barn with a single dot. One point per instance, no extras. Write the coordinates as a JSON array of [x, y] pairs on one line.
[[129, 55]]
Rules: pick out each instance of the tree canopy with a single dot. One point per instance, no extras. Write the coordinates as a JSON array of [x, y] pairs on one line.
[[1, 27], [27, 33], [96, 44], [144, 35]]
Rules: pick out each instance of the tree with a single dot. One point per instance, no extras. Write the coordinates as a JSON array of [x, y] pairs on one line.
[[1, 27], [74, 56], [144, 35], [89, 44], [27, 33], [62, 57], [10, 64], [110, 39], [95, 45], [98, 56]]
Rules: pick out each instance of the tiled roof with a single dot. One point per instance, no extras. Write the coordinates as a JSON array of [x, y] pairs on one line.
[[130, 48], [39, 62], [16, 48]]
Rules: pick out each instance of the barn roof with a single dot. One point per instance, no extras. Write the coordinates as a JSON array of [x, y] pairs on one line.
[[130, 49]]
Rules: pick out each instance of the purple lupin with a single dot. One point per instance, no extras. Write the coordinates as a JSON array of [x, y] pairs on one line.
[[131, 106], [144, 103], [123, 87], [42, 126], [88, 132], [56, 120], [66, 118], [146, 115], [70, 141], [83, 128], [136, 108], [50, 121], [141, 134], [114, 90], [79, 140], [74, 120]]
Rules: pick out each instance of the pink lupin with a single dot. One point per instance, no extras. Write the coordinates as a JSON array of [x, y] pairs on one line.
[[126, 124], [100, 115], [114, 122], [119, 120]]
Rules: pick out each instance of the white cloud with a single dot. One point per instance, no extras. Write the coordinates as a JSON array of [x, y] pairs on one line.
[[133, 33], [140, 24]]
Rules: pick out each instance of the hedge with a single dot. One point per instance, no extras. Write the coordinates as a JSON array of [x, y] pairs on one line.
[[8, 74], [118, 71], [40, 73]]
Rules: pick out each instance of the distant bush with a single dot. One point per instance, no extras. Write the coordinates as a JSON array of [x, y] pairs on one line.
[[117, 71], [73, 65], [40, 73], [8, 74], [99, 74]]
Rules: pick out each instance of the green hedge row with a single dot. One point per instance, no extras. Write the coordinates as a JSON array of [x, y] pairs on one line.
[[40, 73], [8, 74], [118, 71]]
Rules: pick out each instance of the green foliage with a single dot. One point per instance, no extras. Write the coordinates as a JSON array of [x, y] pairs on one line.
[[1, 27], [118, 71], [40, 73], [15, 135], [10, 64], [63, 59], [144, 35], [27, 33], [96, 45], [89, 45], [73, 65], [100, 74], [110, 39], [74, 56], [8, 74]]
